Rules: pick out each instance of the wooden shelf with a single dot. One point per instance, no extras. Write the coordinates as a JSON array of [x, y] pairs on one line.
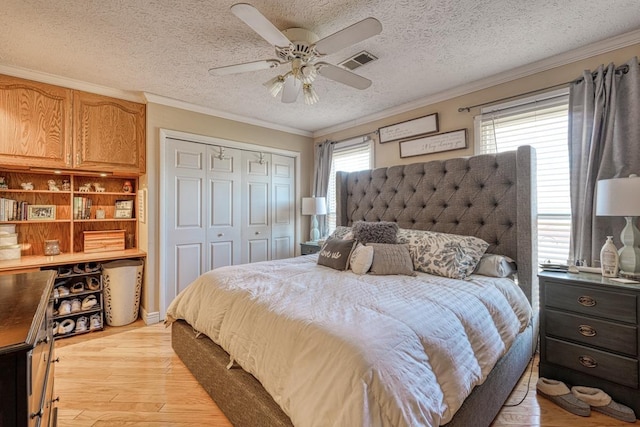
[[21, 191], [105, 220], [33, 221], [37, 261]]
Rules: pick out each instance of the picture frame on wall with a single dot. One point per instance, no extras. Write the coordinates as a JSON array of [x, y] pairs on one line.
[[447, 141], [408, 129]]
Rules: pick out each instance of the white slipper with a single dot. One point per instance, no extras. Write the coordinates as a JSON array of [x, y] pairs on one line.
[[81, 324], [76, 306], [602, 402], [95, 322], [89, 302], [66, 326], [559, 393], [65, 307]]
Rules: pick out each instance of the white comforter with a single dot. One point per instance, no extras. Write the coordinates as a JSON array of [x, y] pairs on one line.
[[337, 349]]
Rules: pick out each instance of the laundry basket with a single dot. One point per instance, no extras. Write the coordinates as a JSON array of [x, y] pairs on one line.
[[122, 286]]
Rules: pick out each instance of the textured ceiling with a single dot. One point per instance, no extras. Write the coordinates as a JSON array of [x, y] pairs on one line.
[[166, 47]]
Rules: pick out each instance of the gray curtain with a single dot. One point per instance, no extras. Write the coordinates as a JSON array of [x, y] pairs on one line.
[[322, 168], [604, 142]]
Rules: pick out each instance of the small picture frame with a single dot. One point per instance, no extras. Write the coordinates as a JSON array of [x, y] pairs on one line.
[[41, 212], [124, 209]]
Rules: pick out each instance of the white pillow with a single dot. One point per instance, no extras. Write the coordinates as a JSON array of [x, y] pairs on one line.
[[493, 265], [361, 259]]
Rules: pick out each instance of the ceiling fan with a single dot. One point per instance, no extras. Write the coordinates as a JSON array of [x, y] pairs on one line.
[[301, 48]]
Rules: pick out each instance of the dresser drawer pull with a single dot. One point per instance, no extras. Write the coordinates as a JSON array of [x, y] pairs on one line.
[[586, 301], [588, 361], [587, 331]]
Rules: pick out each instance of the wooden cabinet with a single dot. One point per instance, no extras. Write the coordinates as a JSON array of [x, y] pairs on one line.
[[309, 248], [35, 124], [109, 134], [46, 126], [27, 351], [590, 334]]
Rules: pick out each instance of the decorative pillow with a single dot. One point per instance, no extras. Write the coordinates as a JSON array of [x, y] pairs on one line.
[[493, 265], [340, 232], [335, 253], [375, 232], [391, 259], [361, 259], [442, 254]]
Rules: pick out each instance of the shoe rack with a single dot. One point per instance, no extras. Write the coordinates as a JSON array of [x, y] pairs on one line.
[[78, 304]]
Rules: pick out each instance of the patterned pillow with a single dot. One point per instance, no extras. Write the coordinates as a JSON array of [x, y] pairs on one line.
[[340, 232], [447, 255], [361, 259], [391, 259], [375, 232], [335, 253]]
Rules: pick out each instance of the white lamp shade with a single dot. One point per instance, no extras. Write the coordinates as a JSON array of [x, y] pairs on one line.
[[314, 206], [618, 197]]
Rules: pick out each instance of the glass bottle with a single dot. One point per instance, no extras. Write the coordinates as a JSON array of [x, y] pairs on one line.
[[609, 260]]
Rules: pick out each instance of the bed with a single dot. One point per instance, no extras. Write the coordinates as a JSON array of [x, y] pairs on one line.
[[491, 197]]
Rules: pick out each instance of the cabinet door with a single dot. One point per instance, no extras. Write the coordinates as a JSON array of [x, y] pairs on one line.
[[109, 134], [35, 124]]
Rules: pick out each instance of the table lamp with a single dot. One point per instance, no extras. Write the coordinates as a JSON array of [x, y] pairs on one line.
[[621, 197], [314, 206]]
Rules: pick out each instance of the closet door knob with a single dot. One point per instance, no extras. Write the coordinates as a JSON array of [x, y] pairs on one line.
[[220, 234], [257, 232]]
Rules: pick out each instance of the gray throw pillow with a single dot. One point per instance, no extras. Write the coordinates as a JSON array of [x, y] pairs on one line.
[[391, 259], [335, 253], [375, 232]]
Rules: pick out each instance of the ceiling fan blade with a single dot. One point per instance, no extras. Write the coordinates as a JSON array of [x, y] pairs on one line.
[[261, 25], [291, 89], [353, 34], [244, 67], [343, 76]]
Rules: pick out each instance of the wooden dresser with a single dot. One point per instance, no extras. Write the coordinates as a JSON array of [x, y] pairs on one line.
[[590, 334], [26, 350]]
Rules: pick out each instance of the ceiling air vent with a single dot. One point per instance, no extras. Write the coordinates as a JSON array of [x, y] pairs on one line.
[[357, 60]]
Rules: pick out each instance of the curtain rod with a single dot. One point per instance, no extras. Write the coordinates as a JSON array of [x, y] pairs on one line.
[[622, 69]]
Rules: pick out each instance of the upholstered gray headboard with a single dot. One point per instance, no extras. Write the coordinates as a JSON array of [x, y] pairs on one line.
[[490, 196]]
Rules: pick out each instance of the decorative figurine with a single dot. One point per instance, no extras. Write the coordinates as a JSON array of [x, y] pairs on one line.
[[99, 188], [66, 185], [26, 186], [85, 188], [127, 187], [52, 185], [3, 183]]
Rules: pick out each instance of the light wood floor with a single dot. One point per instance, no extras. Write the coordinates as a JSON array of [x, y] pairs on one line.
[[129, 376]]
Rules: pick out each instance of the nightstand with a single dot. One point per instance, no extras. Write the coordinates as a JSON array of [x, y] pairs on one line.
[[309, 248], [590, 334]]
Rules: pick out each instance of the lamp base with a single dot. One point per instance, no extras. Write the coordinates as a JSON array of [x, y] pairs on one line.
[[314, 235], [630, 253]]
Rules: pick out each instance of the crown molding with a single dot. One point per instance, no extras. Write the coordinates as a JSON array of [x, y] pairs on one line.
[[170, 102], [42, 77], [555, 61]]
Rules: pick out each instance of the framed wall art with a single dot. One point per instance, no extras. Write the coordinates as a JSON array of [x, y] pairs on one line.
[[124, 209], [447, 141], [41, 212], [414, 127]]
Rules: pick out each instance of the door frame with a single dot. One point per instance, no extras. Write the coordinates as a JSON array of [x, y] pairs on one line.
[[209, 140]]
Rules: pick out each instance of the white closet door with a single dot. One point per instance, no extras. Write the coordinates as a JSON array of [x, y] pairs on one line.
[[282, 207], [256, 213], [185, 179], [224, 201]]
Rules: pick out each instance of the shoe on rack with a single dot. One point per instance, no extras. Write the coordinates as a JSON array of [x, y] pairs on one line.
[[65, 307], [92, 267], [66, 326], [55, 328], [602, 402], [89, 302], [77, 287], [62, 291], [81, 324], [559, 393], [93, 283], [64, 271], [95, 322], [76, 305], [79, 268]]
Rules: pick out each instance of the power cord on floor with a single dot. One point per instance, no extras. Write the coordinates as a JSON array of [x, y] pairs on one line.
[[511, 405]]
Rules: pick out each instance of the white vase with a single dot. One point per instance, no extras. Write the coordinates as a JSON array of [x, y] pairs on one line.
[[609, 260]]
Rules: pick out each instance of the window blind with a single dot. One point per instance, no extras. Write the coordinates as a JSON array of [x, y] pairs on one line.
[[543, 124], [348, 156]]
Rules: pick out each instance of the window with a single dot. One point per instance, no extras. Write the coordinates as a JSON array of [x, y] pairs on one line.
[[541, 122], [349, 156]]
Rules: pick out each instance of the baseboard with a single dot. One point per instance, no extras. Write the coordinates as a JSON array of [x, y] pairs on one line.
[[150, 318]]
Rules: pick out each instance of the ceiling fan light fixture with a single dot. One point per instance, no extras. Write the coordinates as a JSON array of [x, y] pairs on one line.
[[275, 85], [308, 73], [310, 95]]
